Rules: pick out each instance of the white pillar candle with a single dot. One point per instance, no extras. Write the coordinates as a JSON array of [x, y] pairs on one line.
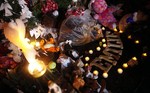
[[15, 33]]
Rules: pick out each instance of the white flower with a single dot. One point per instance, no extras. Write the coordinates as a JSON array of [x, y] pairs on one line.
[[6, 6], [55, 13], [22, 2], [25, 13], [38, 31]]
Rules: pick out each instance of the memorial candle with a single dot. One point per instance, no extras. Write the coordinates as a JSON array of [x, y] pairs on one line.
[[15, 33]]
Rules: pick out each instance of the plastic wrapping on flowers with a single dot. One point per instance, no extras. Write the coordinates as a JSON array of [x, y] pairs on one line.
[[79, 29]]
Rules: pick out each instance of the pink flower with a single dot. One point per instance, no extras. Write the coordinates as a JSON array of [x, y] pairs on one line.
[[99, 6], [49, 6]]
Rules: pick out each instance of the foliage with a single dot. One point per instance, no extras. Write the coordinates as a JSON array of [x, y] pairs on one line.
[[63, 3]]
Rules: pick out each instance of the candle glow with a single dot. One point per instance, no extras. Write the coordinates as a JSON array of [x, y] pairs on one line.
[[15, 33], [87, 58], [95, 72], [104, 45], [91, 51], [144, 54], [103, 28], [103, 40], [115, 29], [125, 65], [105, 75], [98, 48], [37, 69], [120, 71]]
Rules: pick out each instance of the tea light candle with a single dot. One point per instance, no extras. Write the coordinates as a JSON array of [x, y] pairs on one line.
[[144, 54], [105, 75], [104, 45], [125, 65], [91, 51], [87, 58], [103, 28], [95, 72], [120, 71], [103, 40], [137, 41], [134, 58], [98, 48]]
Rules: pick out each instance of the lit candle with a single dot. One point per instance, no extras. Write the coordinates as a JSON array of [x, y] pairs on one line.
[[91, 51], [87, 58], [86, 64], [103, 40], [129, 36], [98, 48], [137, 41], [134, 58], [125, 65], [95, 72], [144, 54], [115, 29], [104, 45], [120, 31], [105, 74], [103, 28], [15, 33], [120, 71], [37, 69]]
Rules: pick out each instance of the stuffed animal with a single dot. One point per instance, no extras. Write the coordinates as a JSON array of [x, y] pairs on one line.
[[131, 18], [104, 13]]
